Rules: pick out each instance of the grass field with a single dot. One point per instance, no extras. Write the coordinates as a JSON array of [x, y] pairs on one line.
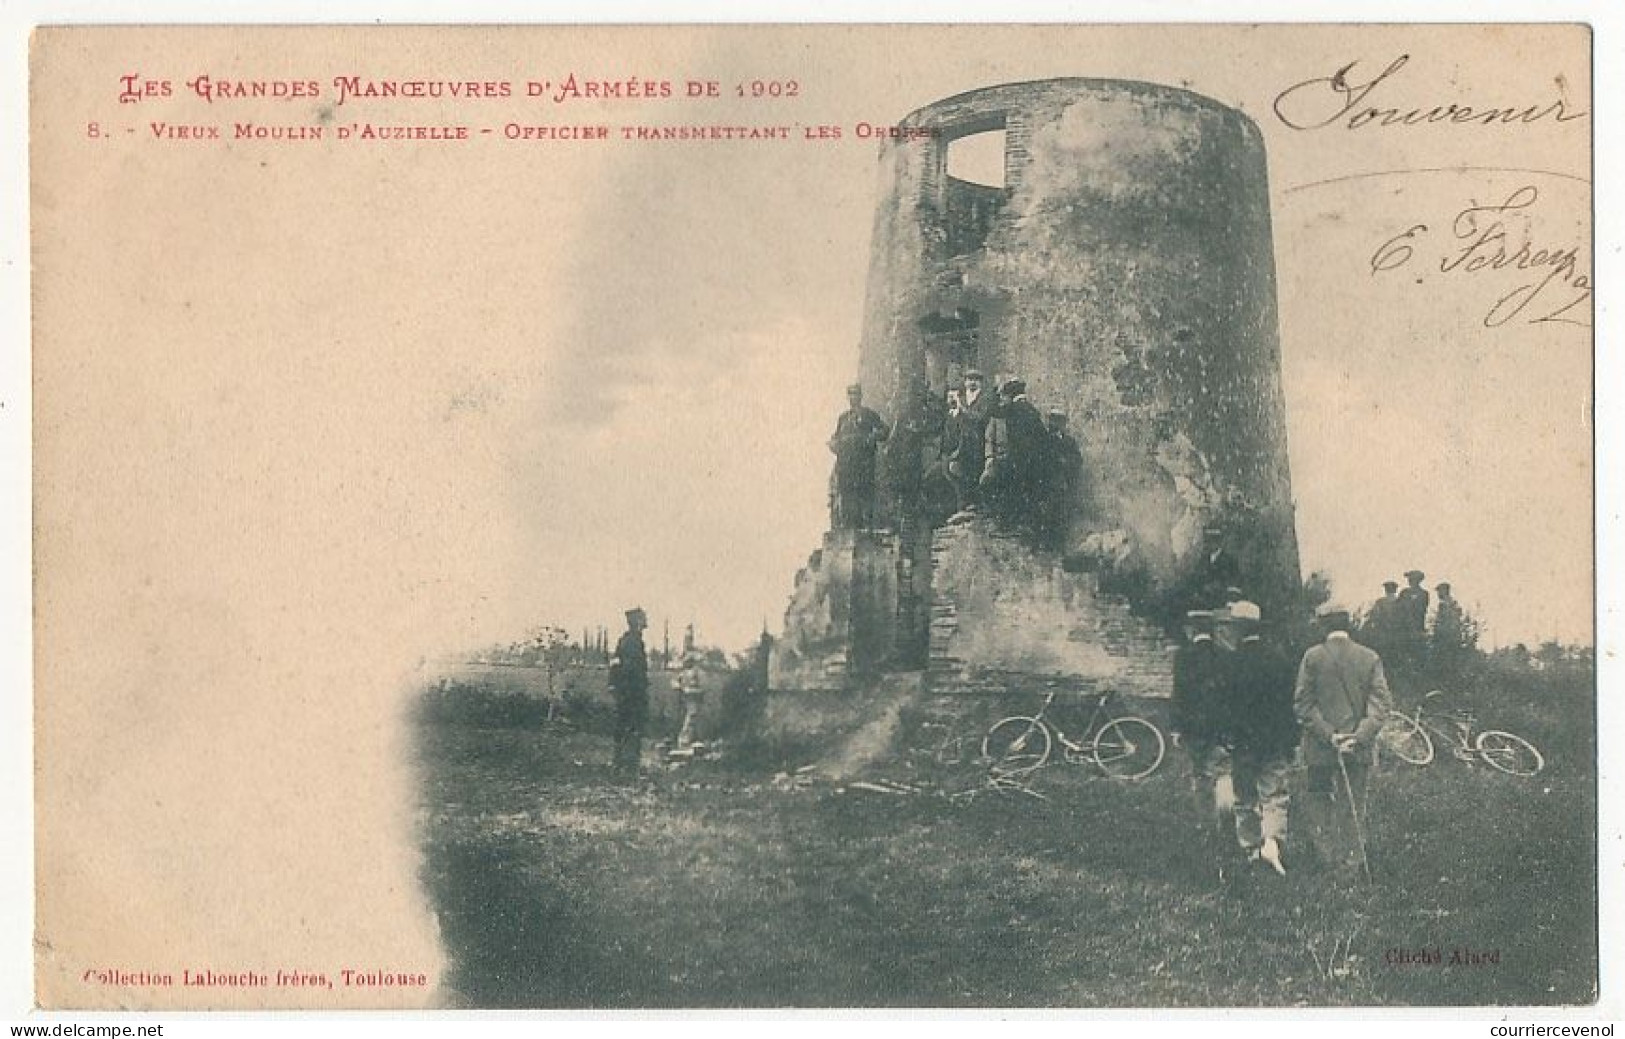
[[712, 886]]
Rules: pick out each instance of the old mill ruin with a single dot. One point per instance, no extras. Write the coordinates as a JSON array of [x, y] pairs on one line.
[[1124, 269]]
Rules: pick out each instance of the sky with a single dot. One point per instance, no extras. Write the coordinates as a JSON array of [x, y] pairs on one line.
[[699, 364]]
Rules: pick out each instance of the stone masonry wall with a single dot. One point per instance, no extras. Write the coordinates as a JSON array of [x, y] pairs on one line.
[[999, 608], [841, 621]]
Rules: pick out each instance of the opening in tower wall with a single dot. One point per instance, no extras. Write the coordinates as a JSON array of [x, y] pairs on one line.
[[976, 186]]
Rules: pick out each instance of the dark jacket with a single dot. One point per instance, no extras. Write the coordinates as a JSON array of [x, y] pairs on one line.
[[629, 671], [1258, 699], [1197, 709], [1017, 445], [1413, 608], [858, 433], [962, 439]]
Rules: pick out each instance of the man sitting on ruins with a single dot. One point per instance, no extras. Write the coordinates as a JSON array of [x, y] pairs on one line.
[[858, 433], [1015, 446]]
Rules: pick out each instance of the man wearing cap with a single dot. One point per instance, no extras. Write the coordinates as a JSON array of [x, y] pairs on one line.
[[963, 438], [1383, 622], [1411, 638], [629, 682], [1197, 719], [1212, 575], [1015, 444], [1263, 732], [1341, 699], [1413, 601], [858, 433]]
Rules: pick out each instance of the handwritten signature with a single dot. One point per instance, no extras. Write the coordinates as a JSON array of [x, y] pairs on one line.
[[1326, 100], [1481, 241]]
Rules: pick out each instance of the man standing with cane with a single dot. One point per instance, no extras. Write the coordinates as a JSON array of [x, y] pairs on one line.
[[1342, 700]]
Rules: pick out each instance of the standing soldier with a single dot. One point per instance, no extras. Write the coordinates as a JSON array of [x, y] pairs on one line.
[[858, 433], [629, 682], [1342, 699], [1263, 734], [1198, 724]]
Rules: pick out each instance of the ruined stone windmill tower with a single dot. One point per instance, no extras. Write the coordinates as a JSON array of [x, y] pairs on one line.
[[1124, 269]]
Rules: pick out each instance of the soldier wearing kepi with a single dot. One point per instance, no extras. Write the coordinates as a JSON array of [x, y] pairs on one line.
[[1198, 721], [629, 683], [1263, 733], [1342, 700]]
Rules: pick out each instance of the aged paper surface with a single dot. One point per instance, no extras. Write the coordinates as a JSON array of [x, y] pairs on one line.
[[362, 350]]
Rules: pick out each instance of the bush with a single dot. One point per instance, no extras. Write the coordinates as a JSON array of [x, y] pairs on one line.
[[448, 702]]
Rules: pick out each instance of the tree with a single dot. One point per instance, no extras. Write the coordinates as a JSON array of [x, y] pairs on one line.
[[550, 646]]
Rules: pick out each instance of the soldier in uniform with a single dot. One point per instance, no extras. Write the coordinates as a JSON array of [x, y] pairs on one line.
[[629, 683], [1198, 723], [1263, 734], [858, 433]]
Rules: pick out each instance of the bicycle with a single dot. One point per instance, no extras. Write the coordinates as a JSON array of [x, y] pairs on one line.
[[1124, 747], [1410, 738]]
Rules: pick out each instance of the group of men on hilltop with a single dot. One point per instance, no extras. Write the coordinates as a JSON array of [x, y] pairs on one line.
[[1396, 626], [997, 453]]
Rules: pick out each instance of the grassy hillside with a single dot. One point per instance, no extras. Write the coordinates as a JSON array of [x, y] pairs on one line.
[[715, 886]]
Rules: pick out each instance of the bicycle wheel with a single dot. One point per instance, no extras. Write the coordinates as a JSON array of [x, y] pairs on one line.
[[1508, 752], [1402, 737], [1016, 745], [1129, 748]]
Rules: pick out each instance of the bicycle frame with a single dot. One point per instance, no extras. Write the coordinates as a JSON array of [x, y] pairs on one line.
[[1091, 729], [1117, 744], [1457, 733], [1504, 751]]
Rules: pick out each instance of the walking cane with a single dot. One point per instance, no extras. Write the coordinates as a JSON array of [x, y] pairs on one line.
[[1354, 812]]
